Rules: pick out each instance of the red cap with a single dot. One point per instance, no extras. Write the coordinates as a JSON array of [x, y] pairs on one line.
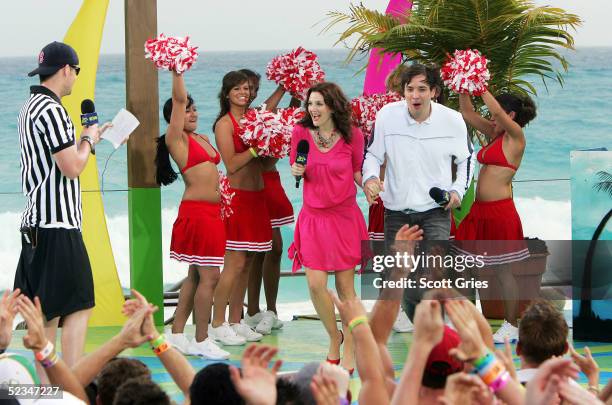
[[439, 363]]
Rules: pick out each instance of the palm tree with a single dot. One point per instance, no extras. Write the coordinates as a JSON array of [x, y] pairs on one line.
[[517, 37], [605, 185]]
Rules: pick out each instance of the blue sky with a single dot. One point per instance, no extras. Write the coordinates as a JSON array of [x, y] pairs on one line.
[[230, 25]]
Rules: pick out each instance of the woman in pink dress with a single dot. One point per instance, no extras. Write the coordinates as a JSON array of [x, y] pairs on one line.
[[330, 227]]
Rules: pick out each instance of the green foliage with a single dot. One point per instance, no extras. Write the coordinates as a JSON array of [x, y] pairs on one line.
[[518, 38]]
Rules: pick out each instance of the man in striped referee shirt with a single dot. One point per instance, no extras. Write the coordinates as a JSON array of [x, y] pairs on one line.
[[54, 264]]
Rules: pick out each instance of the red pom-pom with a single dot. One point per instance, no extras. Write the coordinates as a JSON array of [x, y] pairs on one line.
[[365, 109], [296, 71], [171, 53], [226, 196], [466, 72], [269, 132]]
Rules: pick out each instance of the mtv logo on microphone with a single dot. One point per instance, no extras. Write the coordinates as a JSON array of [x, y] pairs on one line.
[[301, 159], [89, 119]]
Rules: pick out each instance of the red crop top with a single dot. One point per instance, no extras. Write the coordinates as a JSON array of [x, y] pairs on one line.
[[239, 145], [196, 154], [493, 154]]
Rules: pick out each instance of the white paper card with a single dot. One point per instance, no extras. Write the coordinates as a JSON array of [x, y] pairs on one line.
[[124, 124]]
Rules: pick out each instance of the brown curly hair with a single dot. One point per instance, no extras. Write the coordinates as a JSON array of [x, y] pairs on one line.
[[337, 102]]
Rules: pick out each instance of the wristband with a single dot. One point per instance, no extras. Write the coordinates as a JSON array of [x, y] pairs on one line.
[[160, 345], [482, 362], [253, 152], [44, 353], [492, 373], [357, 321], [161, 348], [157, 341], [500, 382], [50, 361]]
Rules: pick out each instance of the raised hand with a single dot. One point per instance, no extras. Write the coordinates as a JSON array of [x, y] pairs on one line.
[[472, 345], [148, 324], [462, 388], [132, 334], [428, 323], [349, 309], [544, 387], [35, 339], [505, 357], [257, 384], [324, 390], [587, 364], [574, 394], [8, 310]]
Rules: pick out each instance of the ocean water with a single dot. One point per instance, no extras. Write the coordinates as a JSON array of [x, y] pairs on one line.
[[575, 116]]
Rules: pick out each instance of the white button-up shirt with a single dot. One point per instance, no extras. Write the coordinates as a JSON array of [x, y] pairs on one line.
[[419, 155]]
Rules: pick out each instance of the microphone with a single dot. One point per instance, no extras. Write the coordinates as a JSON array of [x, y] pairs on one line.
[[89, 116], [302, 157], [442, 197]]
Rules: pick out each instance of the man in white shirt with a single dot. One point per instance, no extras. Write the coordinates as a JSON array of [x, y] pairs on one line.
[[419, 140]]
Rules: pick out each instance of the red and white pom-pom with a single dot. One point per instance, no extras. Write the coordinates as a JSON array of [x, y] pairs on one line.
[[256, 126], [296, 71], [226, 196], [365, 109], [269, 132], [466, 72], [171, 53]]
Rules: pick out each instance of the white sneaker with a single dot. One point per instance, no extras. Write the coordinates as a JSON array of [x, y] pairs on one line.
[[278, 324], [243, 330], [225, 335], [208, 350], [252, 321], [266, 323], [402, 323], [179, 341], [506, 330]]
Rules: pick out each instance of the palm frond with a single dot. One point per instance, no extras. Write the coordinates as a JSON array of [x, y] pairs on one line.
[[518, 38], [605, 182]]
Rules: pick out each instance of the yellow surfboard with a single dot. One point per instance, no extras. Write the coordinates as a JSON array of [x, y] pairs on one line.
[[85, 36]]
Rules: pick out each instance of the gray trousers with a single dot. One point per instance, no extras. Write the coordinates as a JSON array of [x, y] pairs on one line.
[[435, 224]]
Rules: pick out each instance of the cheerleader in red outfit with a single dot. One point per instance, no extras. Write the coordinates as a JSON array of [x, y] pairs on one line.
[[266, 265], [493, 216], [248, 228], [198, 234]]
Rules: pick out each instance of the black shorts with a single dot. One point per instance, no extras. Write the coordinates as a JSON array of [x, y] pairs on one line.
[[54, 266]]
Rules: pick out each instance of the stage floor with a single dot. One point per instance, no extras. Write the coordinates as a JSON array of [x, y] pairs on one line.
[[300, 341]]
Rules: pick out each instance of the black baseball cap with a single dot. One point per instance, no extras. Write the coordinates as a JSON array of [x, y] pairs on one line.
[[53, 57]]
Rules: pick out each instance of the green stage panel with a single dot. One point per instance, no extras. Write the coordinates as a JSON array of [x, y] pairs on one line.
[[146, 269]]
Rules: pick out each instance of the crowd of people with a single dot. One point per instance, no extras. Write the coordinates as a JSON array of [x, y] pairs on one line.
[[413, 147]]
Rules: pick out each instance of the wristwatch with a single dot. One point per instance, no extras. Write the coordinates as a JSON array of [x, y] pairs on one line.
[[88, 139]]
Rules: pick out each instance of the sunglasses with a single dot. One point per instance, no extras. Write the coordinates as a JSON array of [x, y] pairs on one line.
[[76, 68]]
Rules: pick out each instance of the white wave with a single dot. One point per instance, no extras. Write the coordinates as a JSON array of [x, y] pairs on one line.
[[548, 220], [545, 219]]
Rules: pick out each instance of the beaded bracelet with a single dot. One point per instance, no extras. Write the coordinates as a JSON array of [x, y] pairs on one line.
[[45, 352], [357, 321], [253, 152]]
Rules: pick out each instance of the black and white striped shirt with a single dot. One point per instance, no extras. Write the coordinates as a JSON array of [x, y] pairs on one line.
[[53, 200]]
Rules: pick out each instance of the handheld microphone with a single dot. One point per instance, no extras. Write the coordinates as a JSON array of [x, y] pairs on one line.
[[302, 157], [442, 197], [89, 116]]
